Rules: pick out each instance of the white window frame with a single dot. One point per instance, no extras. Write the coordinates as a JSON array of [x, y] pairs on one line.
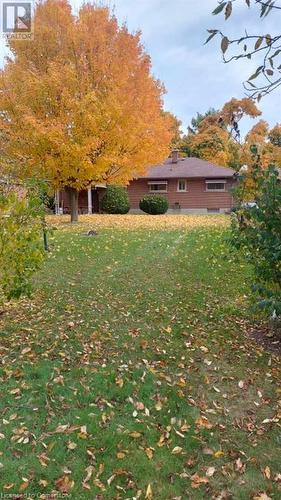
[[152, 183], [178, 187], [215, 181]]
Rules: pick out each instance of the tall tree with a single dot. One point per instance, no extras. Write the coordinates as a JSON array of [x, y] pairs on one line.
[[275, 135], [79, 104], [176, 130], [261, 46], [196, 120], [216, 137], [267, 145]]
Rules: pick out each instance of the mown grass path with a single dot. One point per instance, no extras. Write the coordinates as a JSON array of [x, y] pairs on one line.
[[129, 375]]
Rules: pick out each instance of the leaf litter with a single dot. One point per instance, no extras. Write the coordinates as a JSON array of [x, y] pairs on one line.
[[132, 403]]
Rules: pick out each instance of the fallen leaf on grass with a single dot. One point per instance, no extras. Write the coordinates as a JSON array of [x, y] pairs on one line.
[[177, 450], [91, 454], [207, 451], [43, 459], [135, 434], [110, 479], [149, 452], [71, 445], [8, 486], [161, 441], [99, 484], [266, 472], [64, 484], [148, 494], [43, 483], [15, 392], [181, 382], [89, 472], [139, 406], [83, 432], [24, 485], [189, 462], [197, 480], [59, 380], [239, 466], [180, 394], [210, 471], [185, 428], [158, 406], [143, 344], [62, 428], [119, 382], [168, 329], [204, 349], [203, 422], [26, 350]]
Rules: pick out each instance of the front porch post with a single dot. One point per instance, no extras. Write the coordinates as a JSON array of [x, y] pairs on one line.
[[90, 205], [57, 202]]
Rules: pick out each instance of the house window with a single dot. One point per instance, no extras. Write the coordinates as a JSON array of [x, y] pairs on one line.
[[215, 185], [181, 185], [158, 187]]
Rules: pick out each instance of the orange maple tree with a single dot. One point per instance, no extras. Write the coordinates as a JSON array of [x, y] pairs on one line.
[[268, 143], [216, 138], [79, 104]]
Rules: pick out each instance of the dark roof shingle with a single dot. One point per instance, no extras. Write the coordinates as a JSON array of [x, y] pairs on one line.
[[187, 168]]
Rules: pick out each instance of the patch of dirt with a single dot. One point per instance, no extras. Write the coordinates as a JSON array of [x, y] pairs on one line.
[[265, 337]]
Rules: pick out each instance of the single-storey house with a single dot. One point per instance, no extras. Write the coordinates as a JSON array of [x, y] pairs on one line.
[[190, 185]]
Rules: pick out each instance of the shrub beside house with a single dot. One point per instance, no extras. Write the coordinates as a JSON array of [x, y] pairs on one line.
[[115, 200]]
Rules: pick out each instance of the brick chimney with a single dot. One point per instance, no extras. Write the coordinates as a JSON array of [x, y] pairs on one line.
[[175, 156]]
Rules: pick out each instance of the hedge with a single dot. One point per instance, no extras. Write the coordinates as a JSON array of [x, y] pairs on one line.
[[115, 200], [154, 204]]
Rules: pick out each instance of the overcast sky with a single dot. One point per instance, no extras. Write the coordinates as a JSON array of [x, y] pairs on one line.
[[173, 33]]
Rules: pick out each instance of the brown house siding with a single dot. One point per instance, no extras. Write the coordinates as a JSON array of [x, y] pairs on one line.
[[195, 197]]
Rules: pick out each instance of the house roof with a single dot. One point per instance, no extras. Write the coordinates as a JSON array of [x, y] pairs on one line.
[[187, 167]]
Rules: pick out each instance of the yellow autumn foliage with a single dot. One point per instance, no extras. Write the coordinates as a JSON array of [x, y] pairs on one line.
[[79, 103], [213, 141], [132, 222]]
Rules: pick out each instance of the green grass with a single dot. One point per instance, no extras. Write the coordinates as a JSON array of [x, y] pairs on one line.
[[139, 335]]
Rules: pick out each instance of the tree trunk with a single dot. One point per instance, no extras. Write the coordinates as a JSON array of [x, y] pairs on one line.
[[73, 201]]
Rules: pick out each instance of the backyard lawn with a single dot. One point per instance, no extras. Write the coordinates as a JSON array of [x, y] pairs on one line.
[[129, 373]]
